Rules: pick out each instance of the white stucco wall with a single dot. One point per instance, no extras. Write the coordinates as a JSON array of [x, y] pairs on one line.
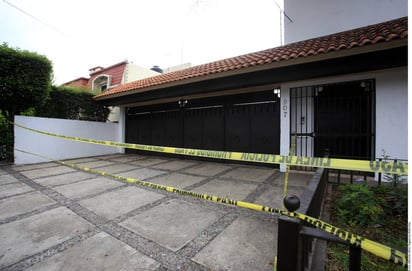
[[131, 73], [284, 122], [392, 114], [134, 72], [58, 148], [391, 110], [314, 18]]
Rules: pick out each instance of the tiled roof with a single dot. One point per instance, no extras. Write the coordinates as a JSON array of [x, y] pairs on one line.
[[115, 71], [82, 81], [373, 34]]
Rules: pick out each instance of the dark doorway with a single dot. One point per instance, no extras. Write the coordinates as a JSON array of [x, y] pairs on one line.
[[338, 119]]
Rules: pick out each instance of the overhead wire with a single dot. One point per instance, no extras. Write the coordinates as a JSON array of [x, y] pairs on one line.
[[33, 17]]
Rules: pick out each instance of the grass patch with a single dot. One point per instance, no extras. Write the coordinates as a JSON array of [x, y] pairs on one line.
[[387, 223]]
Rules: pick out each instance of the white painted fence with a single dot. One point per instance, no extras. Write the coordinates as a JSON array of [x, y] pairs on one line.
[[58, 148]]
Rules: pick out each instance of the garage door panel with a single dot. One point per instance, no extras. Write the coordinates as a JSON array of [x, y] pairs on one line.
[[158, 129], [245, 127], [172, 125], [144, 128], [265, 128], [131, 131], [213, 128], [193, 128], [237, 128]]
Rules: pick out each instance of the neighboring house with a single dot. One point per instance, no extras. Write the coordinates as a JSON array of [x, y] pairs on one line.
[[103, 79], [177, 67], [343, 93]]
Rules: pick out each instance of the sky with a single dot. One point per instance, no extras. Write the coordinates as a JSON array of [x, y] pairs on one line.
[[77, 35]]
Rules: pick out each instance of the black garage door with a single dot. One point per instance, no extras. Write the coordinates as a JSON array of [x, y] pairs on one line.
[[244, 123]]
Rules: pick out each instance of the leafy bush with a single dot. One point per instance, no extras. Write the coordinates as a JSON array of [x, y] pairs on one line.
[[392, 229], [6, 139], [365, 206], [25, 80], [72, 103], [359, 206], [396, 199]]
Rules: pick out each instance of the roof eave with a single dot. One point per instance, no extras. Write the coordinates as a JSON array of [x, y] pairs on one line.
[[274, 65]]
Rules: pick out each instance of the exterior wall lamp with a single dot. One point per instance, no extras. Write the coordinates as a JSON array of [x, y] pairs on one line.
[[182, 103], [318, 89], [276, 91]]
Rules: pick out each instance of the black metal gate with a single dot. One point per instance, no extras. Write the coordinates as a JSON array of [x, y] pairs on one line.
[[337, 119], [245, 123]]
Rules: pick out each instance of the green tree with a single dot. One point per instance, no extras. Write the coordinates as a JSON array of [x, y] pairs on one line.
[[25, 80], [72, 103]]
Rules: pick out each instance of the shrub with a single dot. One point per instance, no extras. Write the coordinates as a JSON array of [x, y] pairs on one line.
[[359, 206], [25, 80], [396, 199], [6, 139], [72, 103]]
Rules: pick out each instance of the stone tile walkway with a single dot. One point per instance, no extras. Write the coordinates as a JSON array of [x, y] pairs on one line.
[[53, 217]]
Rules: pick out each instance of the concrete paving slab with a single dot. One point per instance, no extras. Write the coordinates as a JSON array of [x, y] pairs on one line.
[[81, 160], [117, 168], [142, 173], [13, 189], [33, 234], [175, 165], [2, 172], [128, 158], [87, 187], [95, 164], [44, 172], [172, 224], [120, 202], [99, 252], [111, 156], [6, 179], [148, 161], [273, 197], [295, 179], [207, 169], [66, 178], [247, 244], [183, 228], [177, 180], [252, 174], [23, 204], [34, 166], [227, 189]]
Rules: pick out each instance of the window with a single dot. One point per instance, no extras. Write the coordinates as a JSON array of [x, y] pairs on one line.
[[101, 82]]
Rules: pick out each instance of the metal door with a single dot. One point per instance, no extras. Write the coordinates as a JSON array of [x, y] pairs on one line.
[[335, 119], [218, 124]]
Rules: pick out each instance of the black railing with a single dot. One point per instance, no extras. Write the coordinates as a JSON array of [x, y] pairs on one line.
[[296, 239]]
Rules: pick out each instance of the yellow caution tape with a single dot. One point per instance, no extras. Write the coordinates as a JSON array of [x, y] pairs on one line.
[[380, 250], [399, 168], [286, 183]]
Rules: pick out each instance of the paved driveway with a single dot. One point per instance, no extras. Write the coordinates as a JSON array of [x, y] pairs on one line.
[[53, 217]]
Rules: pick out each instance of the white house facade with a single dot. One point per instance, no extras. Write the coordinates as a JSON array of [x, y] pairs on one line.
[[315, 18], [342, 95]]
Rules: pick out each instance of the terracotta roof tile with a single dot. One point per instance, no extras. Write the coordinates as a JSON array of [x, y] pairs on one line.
[[382, 32]]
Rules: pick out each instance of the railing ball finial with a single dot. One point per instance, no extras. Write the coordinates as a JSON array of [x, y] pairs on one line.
[[291, 202]]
